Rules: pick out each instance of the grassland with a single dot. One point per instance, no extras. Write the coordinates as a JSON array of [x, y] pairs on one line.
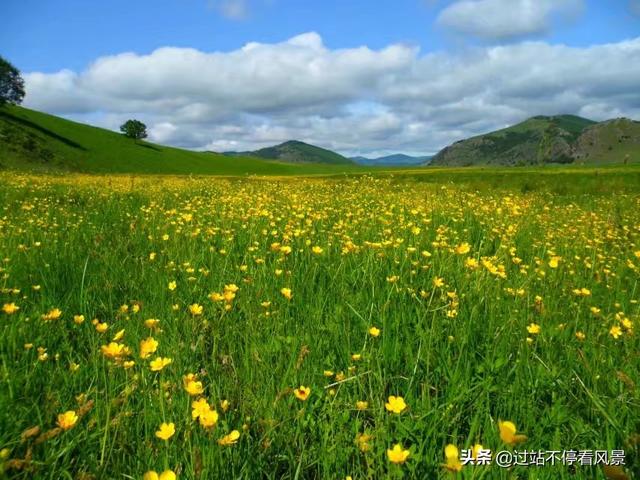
[[476, 295], [35, 141]]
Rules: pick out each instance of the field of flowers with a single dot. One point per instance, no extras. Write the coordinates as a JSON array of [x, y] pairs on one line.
[[362, 327]]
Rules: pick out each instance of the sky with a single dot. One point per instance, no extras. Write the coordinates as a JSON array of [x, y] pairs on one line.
[[358, 77]]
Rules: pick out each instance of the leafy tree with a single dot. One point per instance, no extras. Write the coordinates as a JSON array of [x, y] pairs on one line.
[[11, 84], [134, 129]]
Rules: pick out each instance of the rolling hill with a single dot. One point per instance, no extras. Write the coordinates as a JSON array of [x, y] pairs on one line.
[[543, 140], [392, 160], [31, 140], [294, 151]]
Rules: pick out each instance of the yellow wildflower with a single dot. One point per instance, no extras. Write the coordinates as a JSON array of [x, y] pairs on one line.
[[463, 248], [229, 439], [286, 293], [10, 308], [53, 314], [395, 404], [67, 420], [615, 332], [452, 459], [194, 388], [166, 475], [113, 350], [147, 347], [534, 329], [159, 363], [397, 454], [208, 417], [195, 309], [199, 407], [508, 433], [166, 431], [101, 327], [302, 392], [362, 440]]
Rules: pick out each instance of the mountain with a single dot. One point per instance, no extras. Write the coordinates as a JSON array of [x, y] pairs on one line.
[[31, 140], [391, 160], [542, 140], [295, 151], [609, 142]]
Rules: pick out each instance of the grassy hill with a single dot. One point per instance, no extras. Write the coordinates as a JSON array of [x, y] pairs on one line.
[[543, 140], [295, 151], [31, 140], [609, 142]]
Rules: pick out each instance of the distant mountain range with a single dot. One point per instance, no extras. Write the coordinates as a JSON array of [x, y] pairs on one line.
[[536, 141], [543, 140], [295, 151], [391, 160]]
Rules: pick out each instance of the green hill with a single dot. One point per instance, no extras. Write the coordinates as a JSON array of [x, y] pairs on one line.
[[295, 151], [609, 142], [542, 140], [33, 140]]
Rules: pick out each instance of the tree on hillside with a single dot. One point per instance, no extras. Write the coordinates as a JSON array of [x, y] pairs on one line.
[[11, 84], [134, 129]]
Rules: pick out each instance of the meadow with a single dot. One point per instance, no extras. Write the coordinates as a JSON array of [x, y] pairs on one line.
[[364, 326]]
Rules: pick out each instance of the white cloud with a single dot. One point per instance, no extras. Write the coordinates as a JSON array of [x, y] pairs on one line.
[[503, 19], [163, 132], [354, 100]]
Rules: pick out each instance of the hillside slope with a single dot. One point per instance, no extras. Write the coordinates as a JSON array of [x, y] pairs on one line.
[[33, 140], [544, 140], [609, 142], [537, 140], [295, 151]]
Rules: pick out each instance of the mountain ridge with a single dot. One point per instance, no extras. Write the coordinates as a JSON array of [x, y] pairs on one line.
[[296, 151], [547, 139]]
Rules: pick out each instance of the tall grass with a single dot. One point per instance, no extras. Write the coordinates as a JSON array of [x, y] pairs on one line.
[[454, 340]]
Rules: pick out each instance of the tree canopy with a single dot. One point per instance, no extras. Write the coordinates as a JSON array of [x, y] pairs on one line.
[[11, 84], [134, 129]]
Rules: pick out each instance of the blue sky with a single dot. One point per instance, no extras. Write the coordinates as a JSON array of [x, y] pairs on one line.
[[56, 42], [55, 34]]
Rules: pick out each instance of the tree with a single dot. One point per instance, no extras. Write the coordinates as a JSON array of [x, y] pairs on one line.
[[11, 84], [134, 129]]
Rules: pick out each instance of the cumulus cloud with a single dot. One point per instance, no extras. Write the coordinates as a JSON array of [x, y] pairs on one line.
[[356, 101], [504, 19]]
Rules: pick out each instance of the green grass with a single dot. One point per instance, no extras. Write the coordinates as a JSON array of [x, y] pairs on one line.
[[461, 361], [37, 141]]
